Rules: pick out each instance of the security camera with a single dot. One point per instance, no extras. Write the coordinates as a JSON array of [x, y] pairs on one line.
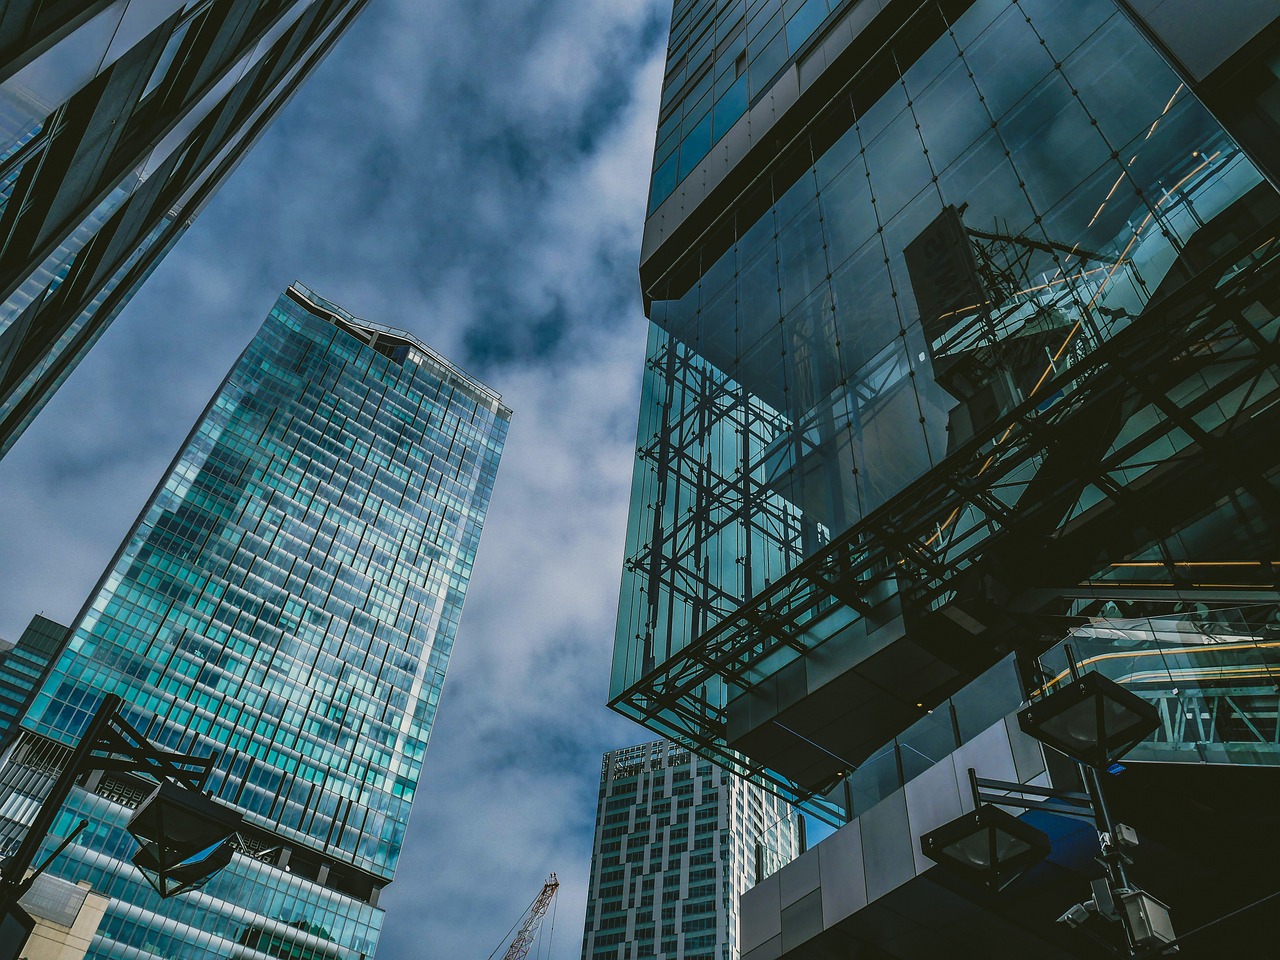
[[1077, 915], [1125, 835]]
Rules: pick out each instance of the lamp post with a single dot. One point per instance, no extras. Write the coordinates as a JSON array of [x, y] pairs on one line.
[[183, 833], [1094, 721]]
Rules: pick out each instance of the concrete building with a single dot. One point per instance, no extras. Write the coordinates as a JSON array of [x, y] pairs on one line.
[[677, 842], [66, 917]]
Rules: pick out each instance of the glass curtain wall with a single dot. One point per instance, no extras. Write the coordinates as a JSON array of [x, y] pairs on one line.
[[289, 598], [998, 193], [722, 57], [117, 124]]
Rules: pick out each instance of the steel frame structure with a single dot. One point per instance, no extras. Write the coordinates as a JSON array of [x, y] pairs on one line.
[[1201, 367], [702, 406]]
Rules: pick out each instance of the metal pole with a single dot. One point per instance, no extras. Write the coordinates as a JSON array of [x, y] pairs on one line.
[[1112, 858], [1071, 662], [14, 882], [66, 842]]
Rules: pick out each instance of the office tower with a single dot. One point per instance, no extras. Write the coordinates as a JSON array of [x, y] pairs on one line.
[[677, 842], [23, 666], [288, 598], [118, 121], [962, 337]]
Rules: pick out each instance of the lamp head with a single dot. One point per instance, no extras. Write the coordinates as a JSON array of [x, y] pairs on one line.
[[987, 844], [1093, 720]]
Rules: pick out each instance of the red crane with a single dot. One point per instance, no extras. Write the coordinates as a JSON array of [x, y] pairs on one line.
[[519, 948]]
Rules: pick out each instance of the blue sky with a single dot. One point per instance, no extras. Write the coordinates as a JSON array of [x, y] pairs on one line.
[[474, 171]]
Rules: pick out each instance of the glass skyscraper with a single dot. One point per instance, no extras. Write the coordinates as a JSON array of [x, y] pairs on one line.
[[288, 597], [963, 325], [677, 842], [23, 666], [118, 122]]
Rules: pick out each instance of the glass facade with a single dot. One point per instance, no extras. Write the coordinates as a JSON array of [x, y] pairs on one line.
[[994, 204], [722, 57], [23, 666], [677, 842], [118, 121], [289, 597]]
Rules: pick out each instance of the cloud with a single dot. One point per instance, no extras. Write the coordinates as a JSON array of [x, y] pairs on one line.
[[475, 172]]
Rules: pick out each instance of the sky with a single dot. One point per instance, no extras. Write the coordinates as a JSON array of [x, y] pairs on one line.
[[473, 171]]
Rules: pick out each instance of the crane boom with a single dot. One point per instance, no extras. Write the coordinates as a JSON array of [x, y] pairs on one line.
[[519, 948]]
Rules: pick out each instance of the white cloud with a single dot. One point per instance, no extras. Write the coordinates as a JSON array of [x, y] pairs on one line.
[[476, 172]]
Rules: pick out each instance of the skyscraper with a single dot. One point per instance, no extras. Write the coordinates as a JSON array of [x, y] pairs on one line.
[[23, 666], [962, 326], [677, 842], [289, 597], [118, 122]]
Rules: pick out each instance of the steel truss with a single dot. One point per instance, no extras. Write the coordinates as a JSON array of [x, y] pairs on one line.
[[699, 497], [1215, 716], [1057, 478]]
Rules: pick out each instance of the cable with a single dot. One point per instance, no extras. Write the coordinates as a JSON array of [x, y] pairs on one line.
[[1164, 947], [507, 936]]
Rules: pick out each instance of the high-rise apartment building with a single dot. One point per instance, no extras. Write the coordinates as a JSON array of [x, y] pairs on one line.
[[118, 121], [288, 598], [23, 666], [677, 842], [963, 318]]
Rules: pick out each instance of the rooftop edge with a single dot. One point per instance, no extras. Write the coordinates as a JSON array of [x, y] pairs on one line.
[[314, 301]]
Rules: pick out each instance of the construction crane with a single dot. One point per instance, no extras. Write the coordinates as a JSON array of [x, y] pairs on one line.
[[533, 917]]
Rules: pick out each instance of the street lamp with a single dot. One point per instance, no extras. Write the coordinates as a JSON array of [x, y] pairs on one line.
[[183, 838], [1092, 720], [988, 844], [1095, 722], [184, 834], [170, 877]]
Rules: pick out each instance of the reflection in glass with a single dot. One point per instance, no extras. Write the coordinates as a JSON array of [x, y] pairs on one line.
[[998, 213]]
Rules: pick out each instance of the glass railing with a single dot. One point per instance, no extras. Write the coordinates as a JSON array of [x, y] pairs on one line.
[[1214, 676]]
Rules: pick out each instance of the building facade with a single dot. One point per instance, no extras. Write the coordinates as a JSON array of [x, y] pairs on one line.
[[288, 598], [962, 317], [23, 666], [66, 917], [118, 121], [677, 842]]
